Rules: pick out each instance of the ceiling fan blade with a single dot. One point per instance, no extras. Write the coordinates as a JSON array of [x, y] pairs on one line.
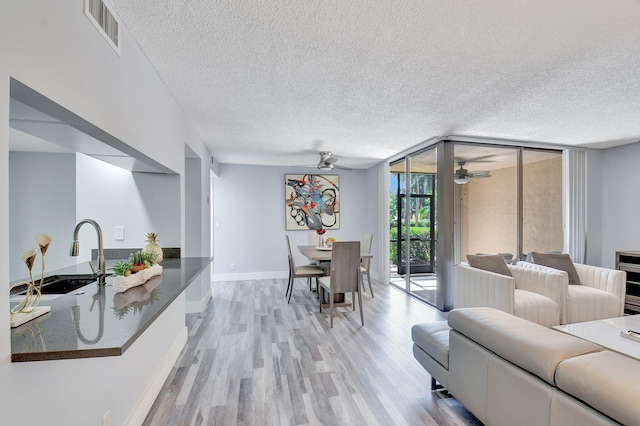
[[336, 166], [479, 174], [331, 160], [480, 159]]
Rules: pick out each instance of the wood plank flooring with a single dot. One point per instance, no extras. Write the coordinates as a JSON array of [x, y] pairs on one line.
[[253, 359]]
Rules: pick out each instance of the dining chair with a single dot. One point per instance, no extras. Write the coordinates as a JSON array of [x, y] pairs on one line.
[[365, 247], [344, 277], [304, 271]]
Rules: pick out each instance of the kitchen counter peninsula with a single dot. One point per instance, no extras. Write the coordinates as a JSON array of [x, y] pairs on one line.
[[95, 321]]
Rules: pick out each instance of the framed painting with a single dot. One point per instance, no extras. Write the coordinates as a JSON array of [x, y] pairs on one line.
[[312, 202]]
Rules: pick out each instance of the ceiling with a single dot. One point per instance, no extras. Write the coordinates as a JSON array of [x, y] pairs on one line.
[[274, 82]]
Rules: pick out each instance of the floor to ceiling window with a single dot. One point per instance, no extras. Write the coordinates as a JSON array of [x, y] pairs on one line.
[[542, 214], [486, 201], [509, 201], [413, 225], [491, 198]]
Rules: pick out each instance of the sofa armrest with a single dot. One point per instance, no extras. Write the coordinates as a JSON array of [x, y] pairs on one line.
[[610, 280], [477, 288]]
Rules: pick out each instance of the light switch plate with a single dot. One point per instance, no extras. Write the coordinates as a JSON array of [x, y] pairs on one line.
[[119, 233]]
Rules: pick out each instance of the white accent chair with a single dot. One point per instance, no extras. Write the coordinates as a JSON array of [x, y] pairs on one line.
[[532, 294], [600, 294], [365, 247]]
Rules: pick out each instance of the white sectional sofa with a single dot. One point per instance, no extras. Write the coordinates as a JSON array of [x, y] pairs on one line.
[[510, 371]]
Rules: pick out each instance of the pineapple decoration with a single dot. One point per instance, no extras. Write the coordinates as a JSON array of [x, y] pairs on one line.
[[152, 247]]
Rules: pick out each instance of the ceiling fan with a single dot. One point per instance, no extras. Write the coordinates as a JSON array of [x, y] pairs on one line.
[[327, 161], [462, 175]]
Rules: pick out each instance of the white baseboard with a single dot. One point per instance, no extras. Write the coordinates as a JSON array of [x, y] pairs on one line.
[[246, 276]]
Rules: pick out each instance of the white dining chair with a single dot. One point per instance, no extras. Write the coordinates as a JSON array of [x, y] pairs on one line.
[[365, 247], [304, 271]]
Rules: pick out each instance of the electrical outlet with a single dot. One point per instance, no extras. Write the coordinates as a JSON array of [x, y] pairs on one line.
[[232, 267], [106, 418], [119, 233]]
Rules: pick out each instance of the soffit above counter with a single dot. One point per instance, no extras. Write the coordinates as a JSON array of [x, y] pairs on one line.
[[36, 120]]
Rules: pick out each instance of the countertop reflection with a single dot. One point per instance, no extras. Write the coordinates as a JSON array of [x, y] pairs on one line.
[[96, 321]]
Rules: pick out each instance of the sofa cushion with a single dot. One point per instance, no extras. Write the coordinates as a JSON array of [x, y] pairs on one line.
[[560, 261], [607, 381], [588, 304], [433, 338], [489, 262], [536, 308], [534, 348]]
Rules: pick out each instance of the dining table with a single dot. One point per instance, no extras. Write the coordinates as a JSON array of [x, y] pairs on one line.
[[322, 255]]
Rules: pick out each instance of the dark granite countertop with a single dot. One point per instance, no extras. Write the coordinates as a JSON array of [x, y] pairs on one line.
[[101, 322]]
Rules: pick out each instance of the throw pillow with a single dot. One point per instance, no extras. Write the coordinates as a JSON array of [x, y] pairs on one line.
[[560, 261], [489, 262]]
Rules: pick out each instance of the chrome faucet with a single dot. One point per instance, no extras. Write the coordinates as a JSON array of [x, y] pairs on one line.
[[75, 248]]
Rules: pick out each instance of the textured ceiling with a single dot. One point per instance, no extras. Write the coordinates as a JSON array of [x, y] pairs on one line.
[[274, 82]]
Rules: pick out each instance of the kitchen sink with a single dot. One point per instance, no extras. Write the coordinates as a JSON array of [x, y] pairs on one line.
[[58, 284]]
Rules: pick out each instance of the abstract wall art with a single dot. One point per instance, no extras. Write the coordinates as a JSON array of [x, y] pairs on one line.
[[312, 202]]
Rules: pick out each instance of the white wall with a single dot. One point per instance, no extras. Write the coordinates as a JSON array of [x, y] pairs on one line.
[[620, 204], [193, 213], [41, 201], [141, 202], [249, 205], [51, 193], [197, 208], [376, 202], [54, 49]]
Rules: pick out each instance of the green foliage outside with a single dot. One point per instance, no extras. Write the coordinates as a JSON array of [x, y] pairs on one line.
[[420, 227], [419, 250]]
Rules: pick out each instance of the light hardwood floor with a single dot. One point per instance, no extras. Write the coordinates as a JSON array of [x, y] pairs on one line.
[[253, 359]]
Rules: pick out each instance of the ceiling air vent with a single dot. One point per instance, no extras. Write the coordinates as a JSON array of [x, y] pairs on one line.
[[108, 24]]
